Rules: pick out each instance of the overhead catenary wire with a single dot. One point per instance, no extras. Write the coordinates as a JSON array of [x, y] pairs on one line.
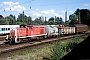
[[20, 4], [42, 4], [62, 3]]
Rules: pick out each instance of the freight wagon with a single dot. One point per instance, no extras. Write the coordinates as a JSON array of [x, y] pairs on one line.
[[67, 30], [80, 28]]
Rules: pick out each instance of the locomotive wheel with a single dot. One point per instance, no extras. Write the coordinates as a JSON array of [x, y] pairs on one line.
[[12, 41], [29, 40], [19, 40], [49, 37], [45, 37], [84, 32], [39, 39]]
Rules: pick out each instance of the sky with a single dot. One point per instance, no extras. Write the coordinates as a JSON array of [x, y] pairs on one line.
[[38, 8]]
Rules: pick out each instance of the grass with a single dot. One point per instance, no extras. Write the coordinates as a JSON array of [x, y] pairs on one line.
[[52, 51], [89, 29]]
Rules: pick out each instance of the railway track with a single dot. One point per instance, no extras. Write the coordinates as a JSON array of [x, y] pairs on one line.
[[6, 48], [2, 38]]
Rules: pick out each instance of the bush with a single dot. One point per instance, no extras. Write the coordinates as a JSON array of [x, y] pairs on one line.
[[89, 28], [60, 49], [57, 52]]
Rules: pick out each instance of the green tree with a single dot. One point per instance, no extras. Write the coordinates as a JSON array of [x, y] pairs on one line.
[[2, 20], [22, 19], [51, 21], [77, 12], [58, 21], [29, 20], [38, 21], [1, 16], [84, 15], [67, 23], [19, 19], [10, 20], [42, 20], [73, 19]]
